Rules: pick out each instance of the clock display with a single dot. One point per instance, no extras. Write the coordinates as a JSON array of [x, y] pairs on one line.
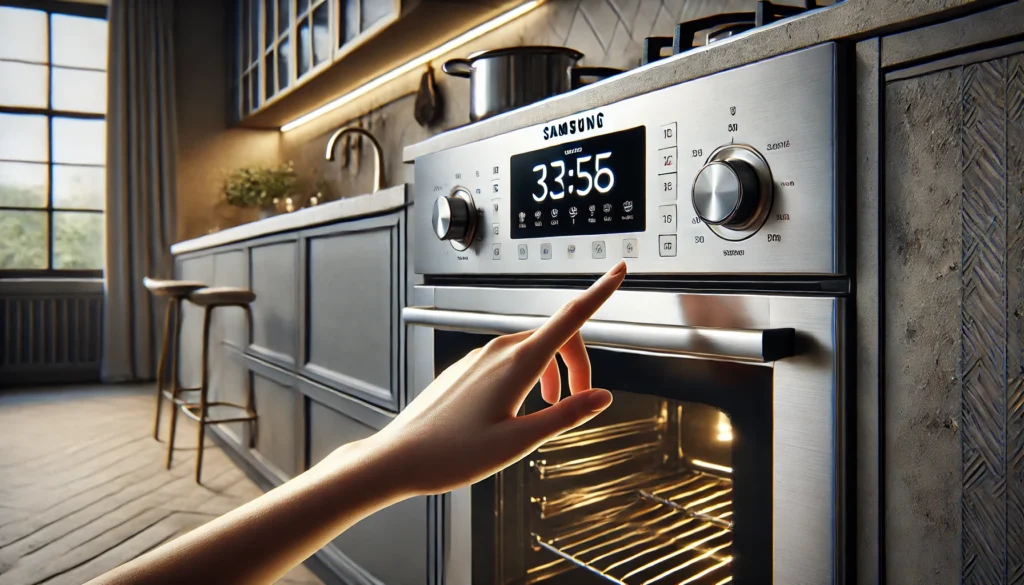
[[585, 187]]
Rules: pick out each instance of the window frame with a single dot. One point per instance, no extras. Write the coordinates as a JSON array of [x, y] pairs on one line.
[[71, 9]]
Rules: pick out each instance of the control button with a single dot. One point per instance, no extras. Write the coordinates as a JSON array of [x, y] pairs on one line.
[[454, 218], [496, 251], [668, 218], [627, 206], [598, 250], [545, 251], [495, 187], [667, 137], [630, 248], [571, 251], [495, 203], [522, 252], [666, 161], [667, 245], [733, 192], [667, 186], [495, 170], [494, 229]]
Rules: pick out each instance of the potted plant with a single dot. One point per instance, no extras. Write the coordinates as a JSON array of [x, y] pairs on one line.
[[260, 187]]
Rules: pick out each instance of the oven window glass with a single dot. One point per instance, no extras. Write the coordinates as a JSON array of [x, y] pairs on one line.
[[670, 485]]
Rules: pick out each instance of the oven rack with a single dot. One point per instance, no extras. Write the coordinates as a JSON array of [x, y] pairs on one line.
[[675, 531]]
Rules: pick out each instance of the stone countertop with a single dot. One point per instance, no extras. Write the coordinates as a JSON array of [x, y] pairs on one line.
[[382, 201], [850, 19]]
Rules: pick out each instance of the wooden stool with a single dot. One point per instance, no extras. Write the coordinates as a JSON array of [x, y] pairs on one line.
[[175, 291], [211, 298]]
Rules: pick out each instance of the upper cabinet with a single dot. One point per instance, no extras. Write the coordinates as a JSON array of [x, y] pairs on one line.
[[289, 57]]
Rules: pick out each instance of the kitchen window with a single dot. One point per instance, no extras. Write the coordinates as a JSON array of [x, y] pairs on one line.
[[53, 103]]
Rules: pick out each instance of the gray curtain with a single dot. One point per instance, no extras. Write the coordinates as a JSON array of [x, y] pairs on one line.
[[140, 183]]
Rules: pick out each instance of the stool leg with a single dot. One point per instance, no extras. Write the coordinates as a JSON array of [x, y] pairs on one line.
[[202, 392], [175, 349], [251, 395], [161, 368]]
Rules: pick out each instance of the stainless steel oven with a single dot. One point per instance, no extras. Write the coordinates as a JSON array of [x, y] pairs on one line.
[[721, 457]]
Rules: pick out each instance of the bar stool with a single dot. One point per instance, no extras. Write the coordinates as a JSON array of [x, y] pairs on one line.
[[175, 291], [210, 298]]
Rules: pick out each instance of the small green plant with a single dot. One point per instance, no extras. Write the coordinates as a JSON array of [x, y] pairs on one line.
[[259, 186]]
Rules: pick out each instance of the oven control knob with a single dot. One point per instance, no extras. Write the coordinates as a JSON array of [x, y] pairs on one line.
[[733, 189], [454, 217]]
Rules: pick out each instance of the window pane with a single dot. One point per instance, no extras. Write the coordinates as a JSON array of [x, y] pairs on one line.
[[303, 47], [24, 137], [77, 240], [254, 90], [246, 107], [22, 84], [22, 34], [283, 61], [302, 7], [79, 141], [75, 90], [79, 187], [350, 21], [254, 31], [268, 22], [24, 243], [373, 11], [79, 41], [321, 35], [269, 76], [23, 184], [284, 16]]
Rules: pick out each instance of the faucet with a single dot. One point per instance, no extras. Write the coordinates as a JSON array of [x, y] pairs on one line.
[[378, 169]]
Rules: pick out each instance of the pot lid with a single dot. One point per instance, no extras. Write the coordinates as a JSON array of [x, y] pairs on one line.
[[528, 49]]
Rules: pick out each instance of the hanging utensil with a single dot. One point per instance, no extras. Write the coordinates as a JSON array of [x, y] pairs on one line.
[[428, 100]]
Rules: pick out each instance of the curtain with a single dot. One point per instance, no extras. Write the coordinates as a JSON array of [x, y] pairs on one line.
[[140, 212]]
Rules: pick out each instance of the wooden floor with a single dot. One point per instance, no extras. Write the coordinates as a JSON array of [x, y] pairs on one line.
[[83, 486]]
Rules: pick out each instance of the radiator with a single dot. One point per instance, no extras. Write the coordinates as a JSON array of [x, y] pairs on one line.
[[50, 333]]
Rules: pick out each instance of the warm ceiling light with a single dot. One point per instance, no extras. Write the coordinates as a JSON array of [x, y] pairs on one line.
[[414, 64]]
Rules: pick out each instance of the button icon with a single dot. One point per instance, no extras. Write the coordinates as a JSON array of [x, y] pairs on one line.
[[494, 170], [627, 206], [522, 216], [593, 208], [630, 248], [667, 245], [545, 251], [522, 252], [494, 204], [667, 137], [496, 251], [571, 250], [537, 214], [607, 207], [573, 211], [667, 213], [494, 228], [666, 161], [494, 187], [667, 186], [598, 250], [554, 212]]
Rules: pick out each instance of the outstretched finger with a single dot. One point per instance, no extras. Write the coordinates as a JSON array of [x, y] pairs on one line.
[[557, 330]]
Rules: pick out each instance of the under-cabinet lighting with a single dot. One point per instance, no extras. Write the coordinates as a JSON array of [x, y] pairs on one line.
[[713, 466], [414, 64]]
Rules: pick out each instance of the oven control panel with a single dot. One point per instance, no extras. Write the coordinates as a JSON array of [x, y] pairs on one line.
[[734, 173]]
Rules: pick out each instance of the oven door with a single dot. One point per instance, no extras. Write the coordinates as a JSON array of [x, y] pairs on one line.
[[718, 461]]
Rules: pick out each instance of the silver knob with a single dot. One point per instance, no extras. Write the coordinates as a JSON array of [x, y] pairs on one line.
[[452, 218], [726, 193]]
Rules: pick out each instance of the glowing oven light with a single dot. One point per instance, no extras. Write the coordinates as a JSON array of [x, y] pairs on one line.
[[724, 428], [714, 466]]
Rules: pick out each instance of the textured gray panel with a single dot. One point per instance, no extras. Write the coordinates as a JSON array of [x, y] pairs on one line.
[[277, 407], [922, 468], [1015, 322], [984, 323], [274, 280]]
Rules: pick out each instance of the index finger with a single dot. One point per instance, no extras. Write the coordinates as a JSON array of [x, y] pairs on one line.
[[557, 330]]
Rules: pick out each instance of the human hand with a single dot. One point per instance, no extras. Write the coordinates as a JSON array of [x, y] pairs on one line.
[[463, 427]]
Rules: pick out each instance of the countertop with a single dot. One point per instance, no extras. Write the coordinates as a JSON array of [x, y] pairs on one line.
[[343, 209], [850, 19]]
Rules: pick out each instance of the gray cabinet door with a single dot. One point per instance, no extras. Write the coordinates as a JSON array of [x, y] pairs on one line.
[[953, 294], [354, 293], [279, 405], [389, 546], [274, 276]]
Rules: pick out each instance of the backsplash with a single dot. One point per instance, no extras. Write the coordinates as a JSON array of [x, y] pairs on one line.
[[608, 32]]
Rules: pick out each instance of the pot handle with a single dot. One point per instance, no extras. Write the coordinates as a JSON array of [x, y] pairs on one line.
[[458, 67], [577, 73]]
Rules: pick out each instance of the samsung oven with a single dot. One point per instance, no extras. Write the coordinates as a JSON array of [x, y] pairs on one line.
[[721, 458]]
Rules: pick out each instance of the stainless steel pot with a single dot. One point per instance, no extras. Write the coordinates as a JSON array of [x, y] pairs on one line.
[[506, 79]]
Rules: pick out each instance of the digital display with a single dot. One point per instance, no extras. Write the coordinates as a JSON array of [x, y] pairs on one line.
[[593, 186]]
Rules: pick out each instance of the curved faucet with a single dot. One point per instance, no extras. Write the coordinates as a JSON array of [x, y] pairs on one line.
[[378, 169]]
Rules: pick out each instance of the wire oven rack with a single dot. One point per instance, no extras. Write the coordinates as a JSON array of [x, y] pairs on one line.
[[667, 529]]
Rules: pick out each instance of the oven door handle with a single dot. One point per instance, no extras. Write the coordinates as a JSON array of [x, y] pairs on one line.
[[745, 345]]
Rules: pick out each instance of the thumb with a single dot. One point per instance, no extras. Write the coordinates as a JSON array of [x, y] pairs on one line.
[[533, 429]]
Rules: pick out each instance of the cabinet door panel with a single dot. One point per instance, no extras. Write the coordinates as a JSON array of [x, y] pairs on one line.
[[200, 269], [272, 266], [352, 313], [391, 545], [278, 406]]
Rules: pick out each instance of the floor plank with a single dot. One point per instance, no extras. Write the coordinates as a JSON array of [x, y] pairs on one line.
[[83, 486]]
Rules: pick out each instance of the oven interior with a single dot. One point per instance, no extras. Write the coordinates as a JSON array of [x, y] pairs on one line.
[[670, 485]]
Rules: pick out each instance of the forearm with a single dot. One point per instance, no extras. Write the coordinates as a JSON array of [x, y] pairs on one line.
[[262, 540]]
